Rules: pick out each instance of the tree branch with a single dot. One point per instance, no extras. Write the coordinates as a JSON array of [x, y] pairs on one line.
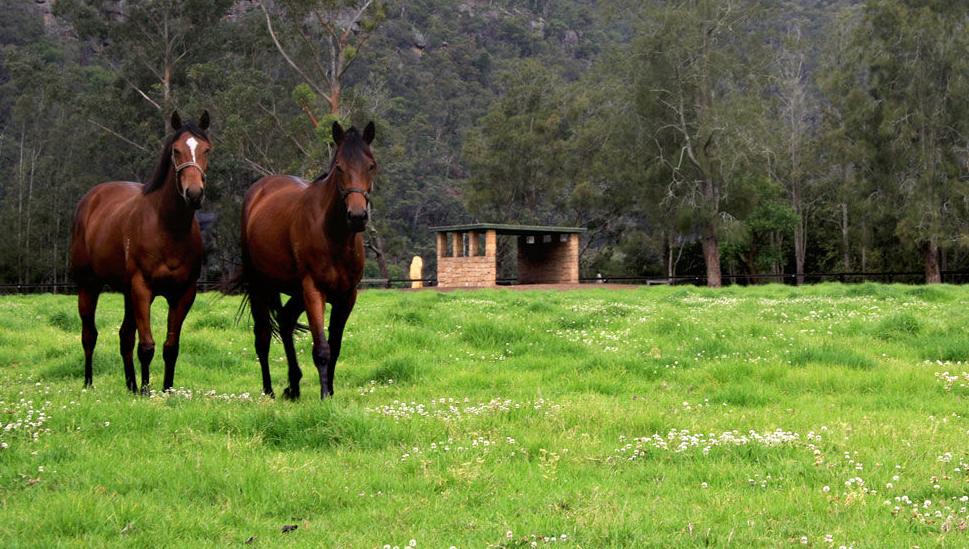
[[272, 34], [118, 135]]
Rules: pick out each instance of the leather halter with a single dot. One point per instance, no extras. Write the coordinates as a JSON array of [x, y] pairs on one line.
[[344, 193], [189, 164]]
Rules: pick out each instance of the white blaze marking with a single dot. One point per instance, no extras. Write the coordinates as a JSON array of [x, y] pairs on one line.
[[192, 143]]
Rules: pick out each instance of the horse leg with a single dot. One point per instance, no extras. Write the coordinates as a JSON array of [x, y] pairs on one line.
[[339, 314], [287, 323], [141, 298], [87, 303], [178, 307], [315, 303], [262, 330], [126, 336]]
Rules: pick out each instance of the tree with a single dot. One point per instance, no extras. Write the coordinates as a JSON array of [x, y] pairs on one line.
[[700, 73], [517, 155], [790, 162], [343, 26], [917, 73], [148, 43]]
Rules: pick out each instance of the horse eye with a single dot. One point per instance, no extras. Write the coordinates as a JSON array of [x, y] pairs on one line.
[[373, 167]]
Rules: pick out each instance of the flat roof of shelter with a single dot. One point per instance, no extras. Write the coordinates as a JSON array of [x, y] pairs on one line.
[[508, 229]]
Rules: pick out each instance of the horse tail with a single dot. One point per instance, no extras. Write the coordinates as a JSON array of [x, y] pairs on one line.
[[235, 283], [238, 283]]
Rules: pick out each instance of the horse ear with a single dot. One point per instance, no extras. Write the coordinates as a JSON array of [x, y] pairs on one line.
[[337, 133], [204, 120], [369, 132], [176, 121]]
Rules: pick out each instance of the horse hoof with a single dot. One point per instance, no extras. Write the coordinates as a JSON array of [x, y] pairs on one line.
[[290, 394], [145, 390], [270, 393]]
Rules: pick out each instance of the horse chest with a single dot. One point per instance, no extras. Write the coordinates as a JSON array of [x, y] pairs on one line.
[[338, 272]]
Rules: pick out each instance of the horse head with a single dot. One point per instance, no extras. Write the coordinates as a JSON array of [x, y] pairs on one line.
[[354, 168], [190, 158]]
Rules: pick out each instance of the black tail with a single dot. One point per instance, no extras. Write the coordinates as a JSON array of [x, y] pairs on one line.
[[237, 283]]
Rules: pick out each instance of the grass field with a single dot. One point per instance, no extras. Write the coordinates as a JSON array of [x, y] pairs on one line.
[[769, 416]]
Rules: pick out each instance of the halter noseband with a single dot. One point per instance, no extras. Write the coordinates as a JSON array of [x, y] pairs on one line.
[[189, 164], [344, 193]]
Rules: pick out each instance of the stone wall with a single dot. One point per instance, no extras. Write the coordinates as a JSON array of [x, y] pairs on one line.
[[554, 262], [455, 272], [464, 267]]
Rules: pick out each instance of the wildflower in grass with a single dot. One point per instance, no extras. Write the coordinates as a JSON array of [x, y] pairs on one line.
[[679, 441]]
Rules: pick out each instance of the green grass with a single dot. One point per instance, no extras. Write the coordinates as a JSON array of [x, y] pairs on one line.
[[460, 417]]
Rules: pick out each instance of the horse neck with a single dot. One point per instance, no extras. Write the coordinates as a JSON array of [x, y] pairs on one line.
[[327, 206], [172, 209]]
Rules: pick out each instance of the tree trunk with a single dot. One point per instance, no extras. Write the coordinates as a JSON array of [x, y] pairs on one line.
[[711, 254], [669, 257], [930, 255], [34, 154], [800, 231], [711, 246], [21, 251], [800, 249], [845, 247], [376, 245]]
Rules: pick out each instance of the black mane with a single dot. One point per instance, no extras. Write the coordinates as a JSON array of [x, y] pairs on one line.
[[160, 174]]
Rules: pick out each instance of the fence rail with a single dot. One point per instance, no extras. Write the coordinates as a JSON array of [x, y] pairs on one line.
[[949, 277]]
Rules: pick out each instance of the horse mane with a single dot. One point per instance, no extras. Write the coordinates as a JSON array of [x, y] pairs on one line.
[[160, 174], [352, 145]]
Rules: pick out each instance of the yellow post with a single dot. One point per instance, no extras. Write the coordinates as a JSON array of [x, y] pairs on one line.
[[417, 272]]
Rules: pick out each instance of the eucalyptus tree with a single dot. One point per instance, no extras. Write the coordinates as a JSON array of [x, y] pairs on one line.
[[916, 71], [149, 44], [322, 41], [700, 70], [518, 153]]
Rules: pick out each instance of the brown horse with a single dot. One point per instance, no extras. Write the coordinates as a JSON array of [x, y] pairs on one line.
[[144, 241], [305, 240]]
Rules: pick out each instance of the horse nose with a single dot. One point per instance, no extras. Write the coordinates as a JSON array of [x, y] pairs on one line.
[[195, 196], [357, 218]]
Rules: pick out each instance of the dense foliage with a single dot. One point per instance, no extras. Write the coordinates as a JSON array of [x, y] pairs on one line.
[[688, 136]]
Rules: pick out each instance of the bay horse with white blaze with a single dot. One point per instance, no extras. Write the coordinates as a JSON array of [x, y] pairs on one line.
[[306, 240], [144, 241]]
